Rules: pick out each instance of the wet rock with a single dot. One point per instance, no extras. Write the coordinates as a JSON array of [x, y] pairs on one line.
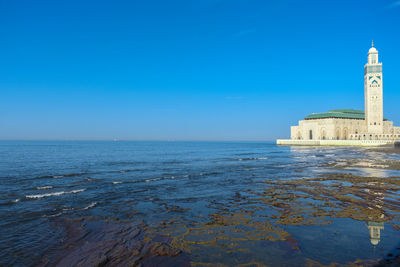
[[96, 243], [162, 249]]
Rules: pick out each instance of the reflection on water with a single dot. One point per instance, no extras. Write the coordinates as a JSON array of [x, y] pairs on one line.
[[377, 202], [196, 203], [374, 172], [323, 203], [375, 231]]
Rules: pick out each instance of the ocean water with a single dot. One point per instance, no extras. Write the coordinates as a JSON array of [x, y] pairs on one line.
[[197, 185]]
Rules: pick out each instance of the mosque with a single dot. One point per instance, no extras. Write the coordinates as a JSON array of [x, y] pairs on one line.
[[350, 124]]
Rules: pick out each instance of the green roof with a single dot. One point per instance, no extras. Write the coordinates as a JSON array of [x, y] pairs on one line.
[[348, 111], [339, 114]]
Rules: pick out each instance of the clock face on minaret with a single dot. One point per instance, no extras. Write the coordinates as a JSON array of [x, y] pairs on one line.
[[373, 93]]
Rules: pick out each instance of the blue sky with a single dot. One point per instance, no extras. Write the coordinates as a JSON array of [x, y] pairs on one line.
[[187, 69]]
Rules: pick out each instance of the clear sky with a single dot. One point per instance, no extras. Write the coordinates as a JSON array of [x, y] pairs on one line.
[[188, 69]]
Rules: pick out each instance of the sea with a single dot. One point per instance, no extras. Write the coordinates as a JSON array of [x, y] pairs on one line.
[[228, 203]]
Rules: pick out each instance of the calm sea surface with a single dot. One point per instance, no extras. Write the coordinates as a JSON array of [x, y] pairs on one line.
[[231, 193]]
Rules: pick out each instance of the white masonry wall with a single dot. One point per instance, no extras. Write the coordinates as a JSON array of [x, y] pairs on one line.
[[327, 129]]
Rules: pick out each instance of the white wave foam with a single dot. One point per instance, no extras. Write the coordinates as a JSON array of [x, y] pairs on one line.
[[54, 215], [54, 194], [90, 206], [152, 180], [17, 200], [44, 187], [166, 178], [117, 182], [77, 191], [58, 176]]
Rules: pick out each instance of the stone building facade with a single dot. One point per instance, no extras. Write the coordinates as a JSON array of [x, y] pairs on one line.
[[350, 124]]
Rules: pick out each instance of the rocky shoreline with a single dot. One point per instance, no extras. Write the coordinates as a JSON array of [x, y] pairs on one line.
[[250, 217], [110, 242]]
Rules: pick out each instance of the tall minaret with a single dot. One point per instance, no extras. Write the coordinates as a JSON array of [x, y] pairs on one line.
[[373, 93]]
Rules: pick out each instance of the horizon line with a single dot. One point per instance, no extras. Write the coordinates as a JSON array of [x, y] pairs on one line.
[[146, 140]]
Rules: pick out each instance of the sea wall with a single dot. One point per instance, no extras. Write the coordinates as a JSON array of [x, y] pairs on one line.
[[294, 142]]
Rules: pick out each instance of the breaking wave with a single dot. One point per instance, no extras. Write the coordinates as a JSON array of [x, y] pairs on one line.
[[90, 206], [44, 187], [54, 194]]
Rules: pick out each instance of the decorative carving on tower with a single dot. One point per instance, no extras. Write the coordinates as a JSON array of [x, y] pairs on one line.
[[373, 85]]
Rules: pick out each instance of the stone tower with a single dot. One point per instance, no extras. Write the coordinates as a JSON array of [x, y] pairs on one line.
[[373, 93]]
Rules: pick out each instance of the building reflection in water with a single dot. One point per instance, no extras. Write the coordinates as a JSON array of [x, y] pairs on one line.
[[375, 231], [376, 225]]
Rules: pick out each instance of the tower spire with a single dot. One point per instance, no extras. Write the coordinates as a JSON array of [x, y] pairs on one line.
[[372, 43]]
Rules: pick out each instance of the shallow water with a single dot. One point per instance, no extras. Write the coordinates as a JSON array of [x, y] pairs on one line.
[[215, 192]]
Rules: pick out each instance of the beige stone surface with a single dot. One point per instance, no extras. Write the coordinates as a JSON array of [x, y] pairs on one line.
[[364, 143]]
